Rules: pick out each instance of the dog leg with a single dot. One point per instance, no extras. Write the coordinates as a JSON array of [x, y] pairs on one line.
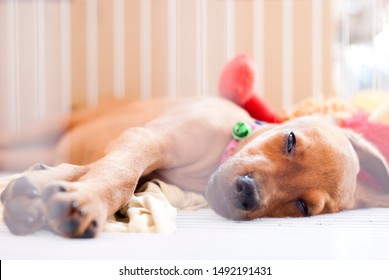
[[23, 198], [74, 201]]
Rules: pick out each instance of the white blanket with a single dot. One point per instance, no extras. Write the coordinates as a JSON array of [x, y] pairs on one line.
[[152, 209]]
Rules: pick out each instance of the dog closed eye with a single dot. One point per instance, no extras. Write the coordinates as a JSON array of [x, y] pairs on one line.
[[302, 207]]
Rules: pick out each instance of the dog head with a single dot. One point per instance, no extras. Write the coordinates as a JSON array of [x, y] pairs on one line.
[[303, 167]]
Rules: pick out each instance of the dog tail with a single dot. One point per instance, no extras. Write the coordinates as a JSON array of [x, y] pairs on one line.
[[44, 133], [48, 132], [37, 143]]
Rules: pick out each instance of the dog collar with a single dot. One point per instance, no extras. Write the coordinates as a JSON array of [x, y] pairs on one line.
[[240, 131]]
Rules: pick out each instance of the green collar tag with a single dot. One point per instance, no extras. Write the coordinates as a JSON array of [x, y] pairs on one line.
[[241, 130]]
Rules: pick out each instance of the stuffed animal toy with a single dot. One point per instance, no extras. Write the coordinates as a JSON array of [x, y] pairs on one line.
[[237, 84]]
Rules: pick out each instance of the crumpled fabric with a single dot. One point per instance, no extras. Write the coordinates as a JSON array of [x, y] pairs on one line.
[[152, 209]]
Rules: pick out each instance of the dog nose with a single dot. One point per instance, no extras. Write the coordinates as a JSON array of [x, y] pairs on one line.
[[246, 194]]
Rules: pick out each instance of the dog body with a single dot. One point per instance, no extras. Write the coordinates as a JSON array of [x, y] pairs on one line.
[[300, 168]]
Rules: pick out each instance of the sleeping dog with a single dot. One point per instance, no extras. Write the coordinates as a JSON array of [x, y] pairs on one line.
[[303, 167]]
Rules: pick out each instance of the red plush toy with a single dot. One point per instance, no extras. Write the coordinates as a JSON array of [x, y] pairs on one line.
[[237, 82]]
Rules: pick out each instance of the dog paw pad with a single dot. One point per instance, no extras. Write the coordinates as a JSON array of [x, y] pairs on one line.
[[69, 227], [91, 230], [23, 186], [56, 209]]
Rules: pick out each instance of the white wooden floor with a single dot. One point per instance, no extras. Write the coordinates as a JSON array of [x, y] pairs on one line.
[[358, 234]]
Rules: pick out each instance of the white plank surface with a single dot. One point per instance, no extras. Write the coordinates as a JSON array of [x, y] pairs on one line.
[[358, 234]]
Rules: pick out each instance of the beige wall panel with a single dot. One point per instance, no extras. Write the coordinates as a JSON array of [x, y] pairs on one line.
[[187, 60]]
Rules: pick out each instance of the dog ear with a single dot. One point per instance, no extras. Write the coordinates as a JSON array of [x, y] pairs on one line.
[[370, 159], [374, 163], [367, 197]]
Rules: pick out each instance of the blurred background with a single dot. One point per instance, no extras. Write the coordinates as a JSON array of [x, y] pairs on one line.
[[61, 55]]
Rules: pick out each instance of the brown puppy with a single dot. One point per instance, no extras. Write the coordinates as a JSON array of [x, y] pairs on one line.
[[300, 168]]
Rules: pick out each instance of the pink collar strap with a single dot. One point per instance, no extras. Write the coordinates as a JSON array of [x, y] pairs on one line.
[[239, 131]]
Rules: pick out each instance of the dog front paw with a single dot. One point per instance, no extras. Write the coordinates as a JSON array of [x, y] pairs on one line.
[[70, 209], [72, 212], [23, 210]]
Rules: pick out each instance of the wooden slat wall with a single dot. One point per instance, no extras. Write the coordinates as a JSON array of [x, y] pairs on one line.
[[60, 55]]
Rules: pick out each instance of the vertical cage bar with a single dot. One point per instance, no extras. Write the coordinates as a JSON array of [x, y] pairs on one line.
[[287, 53], [345, 89], [230, 29], [258, 29], [118, 48], [375, 29], [92, 52], [66, 82], [201, 48], [317, 48], [145, 49], [13, 63], [173, 51], [41, 58]]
